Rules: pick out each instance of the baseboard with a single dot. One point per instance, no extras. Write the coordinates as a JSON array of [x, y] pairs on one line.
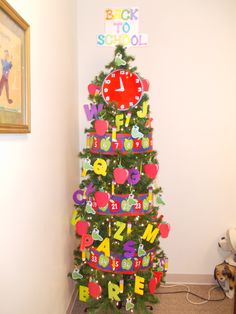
[[190, 279], [72, 301]]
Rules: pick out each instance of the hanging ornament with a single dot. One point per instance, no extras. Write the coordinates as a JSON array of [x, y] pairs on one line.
[[146, 84], [141, 251], [118, 60], [164, 230], [143, 112], [136, 133], [151, 170], [152, 285], [95, 290], [121, 285], [100, 167], [160, 201], [93, 89], [82, 227], [101, 127], [86, 166], [134, 176], [129, 227], [76, 274], [129, 305], [96, 236], [113, 134], [158, 275], [89, 208], [109, 229], [120, 175], [74, 217], [127, 119], [149, 123], [102, 198]]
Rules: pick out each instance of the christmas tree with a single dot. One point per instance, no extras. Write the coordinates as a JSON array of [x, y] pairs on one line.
[[119, 261]]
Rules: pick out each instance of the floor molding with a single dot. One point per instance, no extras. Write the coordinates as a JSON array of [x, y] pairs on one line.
[[72, 301], [190, 279]]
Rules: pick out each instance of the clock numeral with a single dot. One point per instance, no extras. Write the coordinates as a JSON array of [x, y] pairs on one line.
[[131, 103], [105, 90], [113, 75], [122, 72], [107, 81], [137, 80], [139, 89], [137, 97], [107, 98]]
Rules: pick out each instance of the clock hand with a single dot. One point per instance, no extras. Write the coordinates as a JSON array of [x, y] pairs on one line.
[[122, 85], [121, 89]]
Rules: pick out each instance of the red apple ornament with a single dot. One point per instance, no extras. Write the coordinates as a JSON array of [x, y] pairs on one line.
[[164, 230], [151, 170], [102, 198], [82, 227], [120, 175], [95, 290], [93, 89], [101, 127], [152, 285], [145, 85], [158, 275]]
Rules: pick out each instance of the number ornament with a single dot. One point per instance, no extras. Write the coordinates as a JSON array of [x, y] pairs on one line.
[[122, 87]]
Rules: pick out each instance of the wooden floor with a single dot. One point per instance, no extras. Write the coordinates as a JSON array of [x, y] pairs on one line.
[[177, 304]]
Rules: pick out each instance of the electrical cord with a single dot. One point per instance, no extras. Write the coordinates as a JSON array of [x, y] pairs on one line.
[[188, 293]]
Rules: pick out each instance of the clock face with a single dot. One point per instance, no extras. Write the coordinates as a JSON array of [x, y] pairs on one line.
[[122, 87]]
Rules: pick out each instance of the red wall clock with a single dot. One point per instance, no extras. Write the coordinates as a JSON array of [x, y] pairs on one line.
[[122, 87]]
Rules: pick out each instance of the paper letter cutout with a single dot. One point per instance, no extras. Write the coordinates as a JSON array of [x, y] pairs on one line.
[[86, 241], [83, 293], [113, 291], [150, 234], [121, 226], [129, 249], [139, 285], [119, 121], [105, 247]]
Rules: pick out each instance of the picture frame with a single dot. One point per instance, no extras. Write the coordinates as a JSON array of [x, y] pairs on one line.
[[14, 71]]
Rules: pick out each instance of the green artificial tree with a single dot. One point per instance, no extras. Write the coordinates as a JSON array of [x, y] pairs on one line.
[[118, 262]]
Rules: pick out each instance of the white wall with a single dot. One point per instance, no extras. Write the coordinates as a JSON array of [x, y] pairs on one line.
[[191, 64], [39, 171]]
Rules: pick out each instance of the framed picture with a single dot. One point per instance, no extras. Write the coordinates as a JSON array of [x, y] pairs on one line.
[[14, 71]]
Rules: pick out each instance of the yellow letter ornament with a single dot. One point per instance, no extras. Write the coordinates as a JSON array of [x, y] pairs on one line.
[[100, 167], [105, 247], [150, 234], [139, 285], [113, 291], [83, 293], [121, 226]]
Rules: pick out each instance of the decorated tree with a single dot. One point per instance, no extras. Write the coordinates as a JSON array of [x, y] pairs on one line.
[[118, 261]]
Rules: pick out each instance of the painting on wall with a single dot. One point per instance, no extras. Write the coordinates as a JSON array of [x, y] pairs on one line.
[[14, 71]]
